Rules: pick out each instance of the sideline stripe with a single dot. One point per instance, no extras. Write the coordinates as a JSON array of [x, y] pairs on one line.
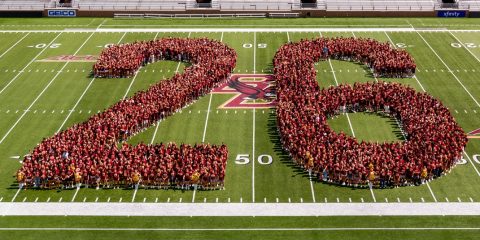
[[249, 229], [238, 209]]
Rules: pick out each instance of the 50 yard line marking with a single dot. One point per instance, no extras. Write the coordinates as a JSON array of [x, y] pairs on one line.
[[28, 64]]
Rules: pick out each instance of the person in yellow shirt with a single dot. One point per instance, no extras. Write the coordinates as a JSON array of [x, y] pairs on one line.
[[136, 179], [424, 175], [78, 178], [371, 179], [21, 179]]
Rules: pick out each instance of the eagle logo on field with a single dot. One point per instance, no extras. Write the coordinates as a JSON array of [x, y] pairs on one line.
[[251, 91]]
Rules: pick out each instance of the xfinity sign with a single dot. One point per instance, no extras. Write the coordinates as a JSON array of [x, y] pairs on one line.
[[62, 13], [450, 14]]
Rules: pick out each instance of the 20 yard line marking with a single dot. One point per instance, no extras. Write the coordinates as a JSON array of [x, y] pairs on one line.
[[455, 76], [14, 45], [43, 91], [28, 64]]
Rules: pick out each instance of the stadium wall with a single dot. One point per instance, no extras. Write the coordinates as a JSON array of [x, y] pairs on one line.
[[302, 13]]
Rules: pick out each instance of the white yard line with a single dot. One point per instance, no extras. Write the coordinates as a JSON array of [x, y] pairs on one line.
[[431, 192], [414, 76], [253, 131], [158, 123], [75, 195], [311, 186], [468, 49], [8, 50], [28, 64], [81, 97], [16, 194], [43, 91], [348, 117], [288, 37], [340, 229], [237, 209], [473, 165], [458, 80]]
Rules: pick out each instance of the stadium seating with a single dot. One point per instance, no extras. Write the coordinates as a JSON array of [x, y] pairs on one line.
[[469, 4], [24, 4], [380, 5]]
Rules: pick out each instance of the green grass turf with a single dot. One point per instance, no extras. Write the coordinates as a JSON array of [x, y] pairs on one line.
[[229, 227], [279, 180]]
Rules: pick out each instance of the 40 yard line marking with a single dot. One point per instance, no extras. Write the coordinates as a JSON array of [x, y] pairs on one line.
[[348, 118], [28, 64], [205, 126], [44, 89], [15, 44]]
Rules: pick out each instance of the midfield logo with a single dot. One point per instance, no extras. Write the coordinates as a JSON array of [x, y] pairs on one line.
[[251, 91]]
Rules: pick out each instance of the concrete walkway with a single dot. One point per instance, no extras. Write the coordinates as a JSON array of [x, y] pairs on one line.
[[238, 209]]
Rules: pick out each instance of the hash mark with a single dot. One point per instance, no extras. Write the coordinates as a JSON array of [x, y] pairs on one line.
[[423, 200], [446, 199]]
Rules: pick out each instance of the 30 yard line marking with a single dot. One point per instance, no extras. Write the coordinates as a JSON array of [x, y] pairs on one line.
[[15, 44], [28, 64], [43, 91], [450, 70]]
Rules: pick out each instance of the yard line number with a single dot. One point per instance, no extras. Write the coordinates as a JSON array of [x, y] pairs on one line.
[[243, 159], [476, 158], [260, 45], [459, 45], [43, 45]]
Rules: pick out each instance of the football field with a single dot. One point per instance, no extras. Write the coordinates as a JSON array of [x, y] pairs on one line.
[[44, 89]]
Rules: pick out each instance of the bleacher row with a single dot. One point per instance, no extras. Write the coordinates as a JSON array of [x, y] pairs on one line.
[[238, 5]]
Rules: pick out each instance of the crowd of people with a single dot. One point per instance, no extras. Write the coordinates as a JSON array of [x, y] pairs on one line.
[[433, 140], [381, 58], [94, 153]]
